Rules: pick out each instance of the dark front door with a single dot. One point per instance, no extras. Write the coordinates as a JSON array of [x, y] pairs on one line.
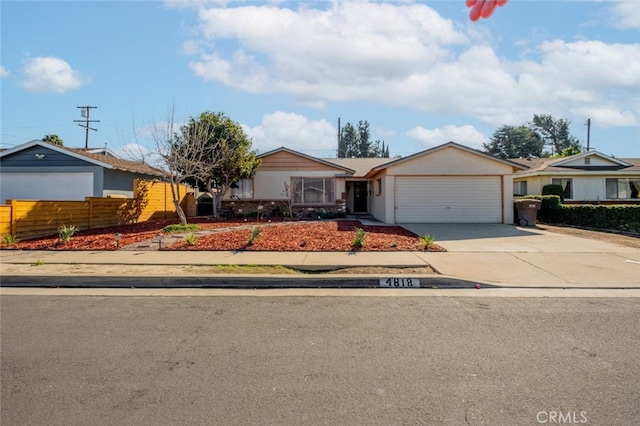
[[360, 195]]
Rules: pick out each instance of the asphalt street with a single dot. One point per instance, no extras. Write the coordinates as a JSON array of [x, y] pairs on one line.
[[77, 360]]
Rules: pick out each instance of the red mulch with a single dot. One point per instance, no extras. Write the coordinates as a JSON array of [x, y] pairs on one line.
[[326, 235]]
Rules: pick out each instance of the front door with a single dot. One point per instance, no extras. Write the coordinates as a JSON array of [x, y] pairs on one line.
[[360, 197]]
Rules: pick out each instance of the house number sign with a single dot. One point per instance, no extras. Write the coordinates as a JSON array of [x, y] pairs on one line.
[[400, 282]]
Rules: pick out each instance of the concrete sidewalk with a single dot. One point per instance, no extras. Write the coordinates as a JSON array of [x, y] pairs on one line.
[[460, 269]]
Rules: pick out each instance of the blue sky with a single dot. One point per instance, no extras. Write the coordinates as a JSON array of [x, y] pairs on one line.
[[420, 72]]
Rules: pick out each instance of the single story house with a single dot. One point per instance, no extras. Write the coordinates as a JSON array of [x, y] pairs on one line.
[[38, 170], [450, 183], [586, 177]]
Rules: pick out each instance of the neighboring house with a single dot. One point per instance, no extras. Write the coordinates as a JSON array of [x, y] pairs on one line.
[[38, 170], [446, 184], [586, 177]]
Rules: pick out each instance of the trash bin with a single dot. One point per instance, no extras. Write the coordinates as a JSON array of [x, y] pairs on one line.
[[528, 211]]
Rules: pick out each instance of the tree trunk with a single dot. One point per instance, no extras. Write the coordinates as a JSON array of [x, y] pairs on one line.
[[181, 215], [175, 194]]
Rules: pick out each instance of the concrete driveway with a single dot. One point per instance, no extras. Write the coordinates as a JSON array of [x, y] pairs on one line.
[[522, 256]]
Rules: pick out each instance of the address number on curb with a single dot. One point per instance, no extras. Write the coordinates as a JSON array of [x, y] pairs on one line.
[[400, 282]]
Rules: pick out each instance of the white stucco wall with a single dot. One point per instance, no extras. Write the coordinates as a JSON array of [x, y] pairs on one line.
[[507, 199], [378, 203]]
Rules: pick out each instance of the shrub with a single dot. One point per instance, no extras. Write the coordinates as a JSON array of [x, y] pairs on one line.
[[178, 227], [255, 233], [358, 240], [9, 239], [553, 190], [617, 217], [190, 239], [613, 217], [427, 240], [65, 233]]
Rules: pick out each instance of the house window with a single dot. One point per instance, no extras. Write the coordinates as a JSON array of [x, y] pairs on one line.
[[587, 161], [567, 186], [378, 186], [520, 188], [623, 188], [243, 189], [313, 190]]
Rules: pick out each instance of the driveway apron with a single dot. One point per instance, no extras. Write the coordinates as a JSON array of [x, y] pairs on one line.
[[498, 253]]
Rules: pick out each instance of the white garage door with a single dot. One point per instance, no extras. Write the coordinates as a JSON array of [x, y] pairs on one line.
[[46, 186], [472, 199]]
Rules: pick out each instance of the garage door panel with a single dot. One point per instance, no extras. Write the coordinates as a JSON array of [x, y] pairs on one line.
[[449, 199]]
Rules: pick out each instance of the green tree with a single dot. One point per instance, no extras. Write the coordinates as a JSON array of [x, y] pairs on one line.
[[515, 142], [364, 144], [567, 152], [227, 156], [355, 142], [53, 139], [555, 133], [349, 140]]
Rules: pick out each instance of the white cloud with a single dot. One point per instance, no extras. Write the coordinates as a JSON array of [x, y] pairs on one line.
[[406, 55], [463, 135], [336, 54], [4, 72], [51, 75], [293, 131], [626, 14]]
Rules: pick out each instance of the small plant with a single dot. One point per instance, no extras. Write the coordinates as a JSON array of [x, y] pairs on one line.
[[358, 240], [66, 232], [427, 240], [255, 233], [190, 239], [9, 239], [178, 227], [38, 262]]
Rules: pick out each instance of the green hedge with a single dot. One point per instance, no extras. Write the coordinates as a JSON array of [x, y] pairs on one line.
[[617, 217]]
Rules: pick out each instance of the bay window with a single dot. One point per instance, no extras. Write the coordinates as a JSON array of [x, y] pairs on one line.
[[313, 190]]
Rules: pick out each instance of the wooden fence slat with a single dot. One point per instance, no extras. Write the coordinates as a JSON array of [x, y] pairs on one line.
[[38, 218]]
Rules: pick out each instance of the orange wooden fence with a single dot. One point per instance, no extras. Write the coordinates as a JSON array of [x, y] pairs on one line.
[[32, 218]]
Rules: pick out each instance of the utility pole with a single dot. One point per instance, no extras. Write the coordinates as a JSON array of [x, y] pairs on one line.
[[588, 134], [85, 113], [340, 149]]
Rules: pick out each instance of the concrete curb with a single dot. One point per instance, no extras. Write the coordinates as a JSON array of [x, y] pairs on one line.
[[223, 281]]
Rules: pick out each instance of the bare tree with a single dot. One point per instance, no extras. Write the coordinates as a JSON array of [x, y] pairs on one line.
[[184, 154], [288, 192], [225, 158]]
